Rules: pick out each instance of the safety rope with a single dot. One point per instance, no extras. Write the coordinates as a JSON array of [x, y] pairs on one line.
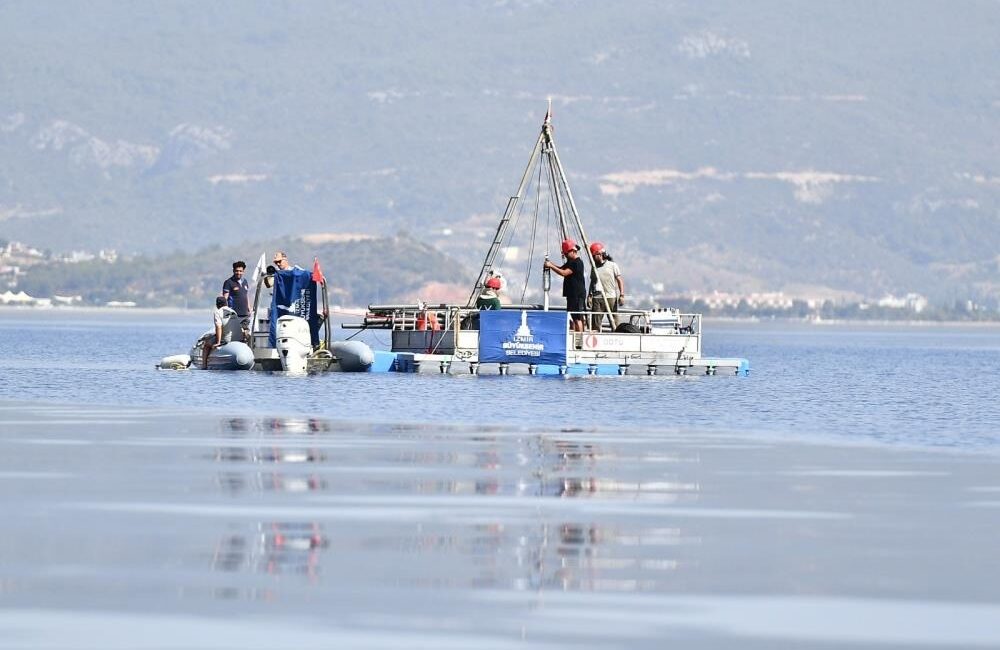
[[444, 331]]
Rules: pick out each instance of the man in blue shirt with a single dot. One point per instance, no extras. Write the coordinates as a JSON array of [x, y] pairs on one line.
[[236, 291]]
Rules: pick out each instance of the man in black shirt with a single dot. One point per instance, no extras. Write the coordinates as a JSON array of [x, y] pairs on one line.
[[236, 291], [574, 284]]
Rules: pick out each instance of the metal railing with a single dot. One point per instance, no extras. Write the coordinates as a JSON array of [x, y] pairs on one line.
[[443, 318]]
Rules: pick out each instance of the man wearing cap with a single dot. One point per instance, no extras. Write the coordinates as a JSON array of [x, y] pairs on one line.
[[574, 284]]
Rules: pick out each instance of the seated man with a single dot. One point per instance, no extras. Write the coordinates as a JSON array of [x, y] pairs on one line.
[[226, 328], [490, 298]]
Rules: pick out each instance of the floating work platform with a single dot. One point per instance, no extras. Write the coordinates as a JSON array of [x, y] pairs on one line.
[[536, 339], [526, 340], [409, 362]]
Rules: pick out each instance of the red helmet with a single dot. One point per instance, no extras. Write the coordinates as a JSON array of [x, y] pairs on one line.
[[493, 283], [596, 248], [569, 245]]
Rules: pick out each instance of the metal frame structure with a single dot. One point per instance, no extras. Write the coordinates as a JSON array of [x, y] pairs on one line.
[[445, 335]]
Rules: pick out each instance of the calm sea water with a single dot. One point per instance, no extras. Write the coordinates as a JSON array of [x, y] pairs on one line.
[[933, 386], [845, 495]]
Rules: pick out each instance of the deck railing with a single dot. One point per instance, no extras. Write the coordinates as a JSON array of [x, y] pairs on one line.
[[445, 318]]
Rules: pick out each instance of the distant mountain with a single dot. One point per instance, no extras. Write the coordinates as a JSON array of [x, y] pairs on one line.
[[828, 149]]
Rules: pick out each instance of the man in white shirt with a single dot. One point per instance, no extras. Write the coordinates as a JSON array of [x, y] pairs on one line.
[[606, 285], [226, 327]]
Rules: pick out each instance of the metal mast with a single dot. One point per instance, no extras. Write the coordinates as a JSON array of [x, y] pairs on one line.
[[552, 163], [544, 146], [557, 170]]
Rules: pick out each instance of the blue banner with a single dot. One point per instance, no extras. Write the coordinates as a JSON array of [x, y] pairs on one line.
[[294, 295], [523, 336]]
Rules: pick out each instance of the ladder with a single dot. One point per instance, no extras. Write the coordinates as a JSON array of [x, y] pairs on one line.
[[494, 249]]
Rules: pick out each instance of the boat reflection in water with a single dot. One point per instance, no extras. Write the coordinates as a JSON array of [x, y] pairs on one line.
[[275, 425], [274, 548], [448, 510]]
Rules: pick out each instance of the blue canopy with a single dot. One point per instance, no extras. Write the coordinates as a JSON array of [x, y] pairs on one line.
[[294, 295]]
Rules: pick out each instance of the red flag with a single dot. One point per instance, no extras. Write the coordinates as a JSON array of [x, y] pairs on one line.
[[317, 272]]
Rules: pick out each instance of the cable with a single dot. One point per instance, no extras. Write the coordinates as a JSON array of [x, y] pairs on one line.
[[534, 231], [548, 219]]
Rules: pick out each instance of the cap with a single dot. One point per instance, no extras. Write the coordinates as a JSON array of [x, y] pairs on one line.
[[569, 245], [596, 248], [493, 283]]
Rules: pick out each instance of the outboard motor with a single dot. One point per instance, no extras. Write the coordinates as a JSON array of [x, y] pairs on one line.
[[294, 343]]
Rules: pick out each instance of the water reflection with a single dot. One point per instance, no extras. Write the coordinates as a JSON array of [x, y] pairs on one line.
[[268, 455], [523, 547], [590, 557], [271, 548], [234, 483], [276, 425], [274, 548]]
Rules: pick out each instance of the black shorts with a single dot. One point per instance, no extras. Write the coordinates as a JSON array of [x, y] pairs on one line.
[[576, 305]]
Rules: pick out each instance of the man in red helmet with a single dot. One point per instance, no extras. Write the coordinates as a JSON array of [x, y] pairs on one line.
[[607, 289], [574, 284], [490, 298]]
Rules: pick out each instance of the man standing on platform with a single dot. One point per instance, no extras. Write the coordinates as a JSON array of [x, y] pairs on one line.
[[574, 283], [236, 292], [281, 261], [607, 289]]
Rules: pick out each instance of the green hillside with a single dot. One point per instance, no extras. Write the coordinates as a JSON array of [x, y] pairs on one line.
[[357, 272]]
